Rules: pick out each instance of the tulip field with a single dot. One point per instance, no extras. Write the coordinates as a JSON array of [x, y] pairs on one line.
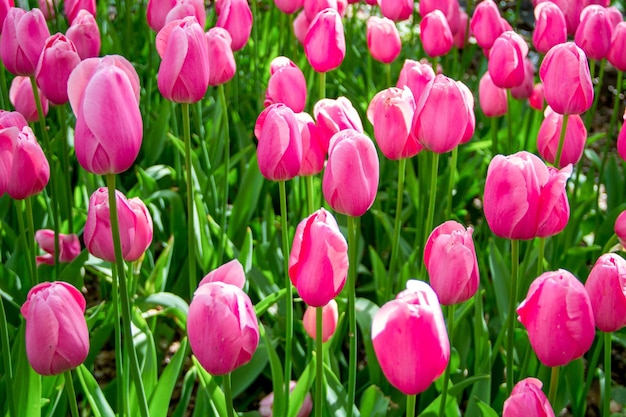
[[298, 208]]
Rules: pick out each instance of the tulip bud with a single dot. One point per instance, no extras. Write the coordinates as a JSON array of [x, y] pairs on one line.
[[436, 34], [313, 152], [85, 35], [23, 37], [620, 227], [330, 316], [571, 11], [449, 8], [486, 23], [606, 286], [396, 10], [156, 12], [557, 307], [550, 28], [69, 246], [72, 7], [616, 55], [527, 400], [5, 5], [266, 405], [286, 85], [415, 75], [143, 230], [47, 8], [492, 98], [236, 17], [325, 45], [410, 339], [460, 36], [550, 133], [313, 7], [30, 171], [301, 26], [288, 6], [335, 115], [506, 60], [230, 273], [594, 32], [22, 97], [525, 89], [222, 64], [58, 58], [383, 39], [186, 8], [12, 119], [57, 338], [536, 100]]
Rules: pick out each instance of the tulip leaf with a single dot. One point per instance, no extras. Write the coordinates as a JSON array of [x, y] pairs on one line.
[[485, 410], [365, 311], [215, 394], [261, 307], [501, 279], [277, 372], [246, 200], [162, 394], [303, 386], [246, 253], [336, 395], [26, 382], [173, 304], [245, 375], [72, 272], [189, 383], [374, 403], [157, 279], [94, 395]]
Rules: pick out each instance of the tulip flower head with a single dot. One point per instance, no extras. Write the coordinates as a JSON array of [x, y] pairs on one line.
[[222, 64], [266, 404], [313, 152], [69, 246], [415, 75], [527, 400], [85, 35], [550, 134], [383, 39], [435, 33], [230, 273], [161, 12], [23, 37], [606, 286], [550, 28], [486, 23], [506, 60], [286, 85], [288, 6], [325, 45], [335, 115], [58, 58], [330, 316], [236, 17], [22, 98], [396, 10], [536, 100], [620, 227], [616, 55], [594, 32], [30, 170], [492, 99], [5, 5]]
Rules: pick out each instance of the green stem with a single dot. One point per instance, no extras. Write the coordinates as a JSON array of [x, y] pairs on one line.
[[541, 254], [126, 318], [255, 55], [434, 169], [319, 361], [395, 243], [510, 380], [4, 96], [226, 130], [509, 119], [31, 238], [352, 336], [554, 385], [288, 287], [559, 150], [597, 89], [494, 136], [618, 91], [66, 167], [228, 394], [322, 86], [410, 406], [191, 246], [592, 364], [388, 73], [453, 161], [122, 399], [71, 395], [310, 197], [26, 235], [446, 375], [6, 356], [606, 399]]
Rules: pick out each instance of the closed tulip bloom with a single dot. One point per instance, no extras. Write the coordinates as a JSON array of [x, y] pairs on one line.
[[620, 227], [335, 115], [525, 89], [23, 37], [30, 171], [391, 113], [396, 10], [57, 339], [550, 134], [486, 23], [313, 152], [286, 85], [279, 152], [58, 58], [12, 118], [506, 60], [351, 176], [536, 99], [450, 259], [449, 8], [156, 12], [493, 101], [318, 262], [236, 17], [266, 404], [85, 35], [444, 115], [615, 15], [69, 246], [72, 7], [415, 75], [222, 327], [606, 286], [230, 273], [524, 198], [435, 34], [383, 39], [410, 339], [22, 98], [325, 45], [557, 307], [566, 79], [301, 26], [222, 64], [5, 5], [460, 36], [313, 7], [330, 316], [143, 230], [621, 140], [594, 32], [186, 8], [8, 137], [527, 400], [550, 28], [616, 55], [288, 6], [571, 11]]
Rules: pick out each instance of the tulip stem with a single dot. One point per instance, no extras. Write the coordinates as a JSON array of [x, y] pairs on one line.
[[509, 119], [119, 362], [28, 238], [191, 246], [541, 255], [352, 253], [6, 355], [288, 287], [554, 385], [618, 91], [322, 86], [66, 167], [510, 380], [71, 394], [126, 318], [446, 375], [494, 136], [309, 193], [606, 399], [395, 243], [226, 130], [388, 73], [559, 150], [4, 97], [410, 406], [596, 95], [319, 361], [431, 198], [453, 161], [31, 237], [228, 394]]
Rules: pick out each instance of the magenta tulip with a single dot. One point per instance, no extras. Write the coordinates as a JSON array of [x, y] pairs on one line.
[[30, 170], [435, 34], [8, 137], [620, 227], [330, 316], [506, 60], [85, 35], [301, 26], [288, 6], [524, 198], [383, 39], [460, 36], [222, 327], [313, 152], [351, 176], [266, 404], [550, 28], [318, 262], [236, 17], [557, 307], [415, 75], [286, 85], [313, 7], [47, 8], [186, 8], [410, 339], [571, 11], [536, 100], [143, 230], [616, 55], [69, 246], [550, 133], [493, 101], [615, 15], [222, 64], [525, 89], [58, 58], [486, 23], [72, 7], [449, 8], [396, 10], [325, 45], [621, 140], [527, 400], [5, 5], [606, 286], [156, 12], [23, 37], [22, 98], [594, 32], [333, 116], [230, 273]]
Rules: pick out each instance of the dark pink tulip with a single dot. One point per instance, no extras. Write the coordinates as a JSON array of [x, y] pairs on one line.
[[620, 227], [266, 404], [156, 12], [616, 55], [22, 97], [571, 11], [5, 5], [318, 262], [330, 316], [444, 115], [566, 79], [525, 89], [550, 28], [449, 8], [524, 198], [396, 10], [606, 286], [492, 98], [230, 273], [351, 176], [301, 26], [85, 35], [450, 259], [486, 23], [383, 39], [8, 137], [436, 34], [54, 313], [527, 400], [58, 58], [415, 75], [236, 17], [289, 6], [279, 152], [391, 113], [594, 32], [335, 115], [621, 140], [557, 307], [222, 64], [460, 36], [286, 85], [143, 230], [313, 151], [186, 8], [325, 45], [536, 99], [69, 246], [550, 133], [506, 60], [30, 171], [23, 38], [313, 7], [410, 339], [615, 15], [72, 7], [222, 327]]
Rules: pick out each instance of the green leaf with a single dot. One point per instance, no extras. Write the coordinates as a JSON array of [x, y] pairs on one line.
[[215, 394], [162, 394], [485, 410], [189, 383], [247, 199], [157, 280], [95, 397], [72, 272], [173, 304], [245, 375], [261, 307], [336, 395], [277, 372], [501, 279], [26, 382], [365, 311], [374, 403], [303, 386]]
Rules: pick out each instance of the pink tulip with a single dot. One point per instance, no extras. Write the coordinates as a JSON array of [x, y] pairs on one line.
[[444, 115], [449, 8], [396, 10], [8, 137], [286, 85], [236, 17], [186, 8], [143, 230], [527, 400], [156, 12], [58, 58], [222, 327], [230, 273], [486, 23], [22, 98], [330, 316], [57, 338], [524, 198], [383, 39], [391, 113], [566, 79], [550, 134], [594, 32], [313, 7], [104, 94], [279, 152], [301, 26], [72, 7], [325, 45], [615, 15], [492, 98], [436, 34], [23, 38], [415, 75], [313, 152], [69, 246], [550, 28], [288, 6], [351, 176], [5, 5], [460, 36], [12, 118], [536, 99], [450, 259], [410, 339], [606, 286], [85, 35], [318, 263], [335, 115], [571, 11], [30, 171], [621, 140], [525, 89], [557, 307], [506, 60], [222, 64], [266, 404], [620, 227], [616, 55]]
